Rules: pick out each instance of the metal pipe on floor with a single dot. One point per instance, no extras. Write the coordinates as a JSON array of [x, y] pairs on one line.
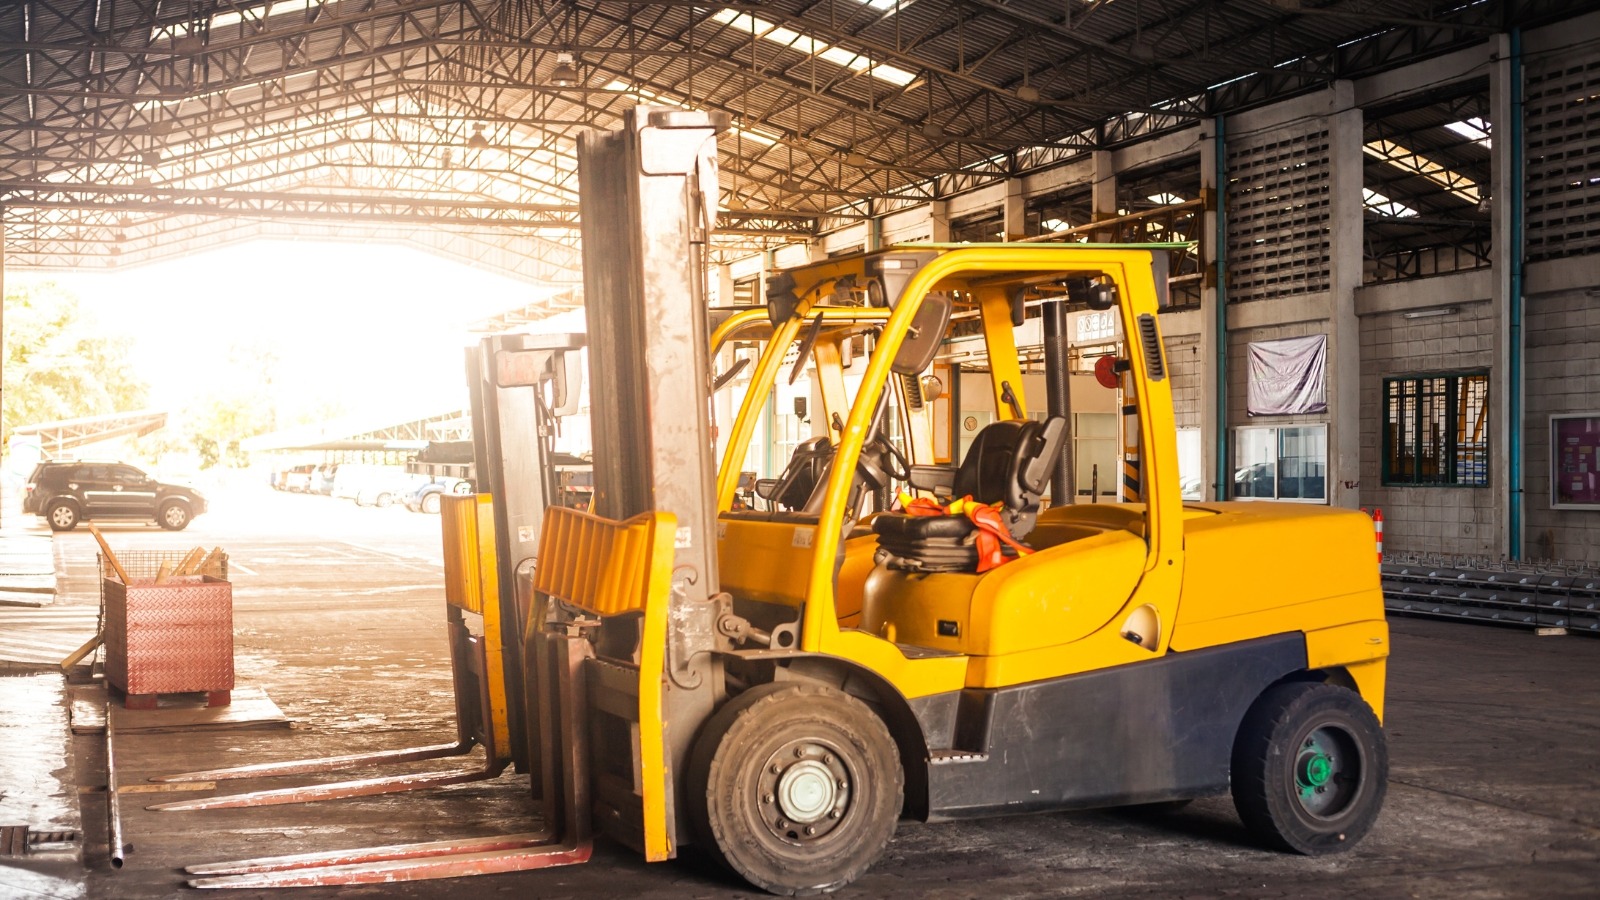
[[113, 810]]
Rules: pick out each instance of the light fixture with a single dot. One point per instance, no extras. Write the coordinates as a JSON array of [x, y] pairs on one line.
[[932, 130], [477, 141], [565, 74], [151, 158], [859, 160], [1430, 313], [1028, 94], [1485, 204]]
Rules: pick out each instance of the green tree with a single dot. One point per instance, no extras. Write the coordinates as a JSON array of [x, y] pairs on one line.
[[59, 364]]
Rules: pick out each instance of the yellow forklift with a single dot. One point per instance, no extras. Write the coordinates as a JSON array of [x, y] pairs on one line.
[[696, 673]]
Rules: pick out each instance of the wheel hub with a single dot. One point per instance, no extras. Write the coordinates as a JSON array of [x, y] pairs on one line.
[[804, 791], [1324, 777]]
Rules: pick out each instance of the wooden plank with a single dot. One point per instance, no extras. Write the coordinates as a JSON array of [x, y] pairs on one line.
[[251, 709]]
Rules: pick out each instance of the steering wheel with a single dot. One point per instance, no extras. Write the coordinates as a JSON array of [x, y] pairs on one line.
[[895, 462]]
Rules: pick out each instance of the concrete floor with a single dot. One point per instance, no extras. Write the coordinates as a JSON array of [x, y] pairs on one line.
[[1494, 739]]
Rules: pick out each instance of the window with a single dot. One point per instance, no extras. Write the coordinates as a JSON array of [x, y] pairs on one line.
[[1287, 462], [1436, 430]]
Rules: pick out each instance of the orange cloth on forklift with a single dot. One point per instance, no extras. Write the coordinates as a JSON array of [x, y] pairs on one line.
[[992, 531]]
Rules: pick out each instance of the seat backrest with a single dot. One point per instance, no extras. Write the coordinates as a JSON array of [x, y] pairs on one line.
[[808, 467], [1009, 462]]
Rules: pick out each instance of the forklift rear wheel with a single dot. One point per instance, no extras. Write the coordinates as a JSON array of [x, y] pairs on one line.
[[1310, 768], [796, 787]]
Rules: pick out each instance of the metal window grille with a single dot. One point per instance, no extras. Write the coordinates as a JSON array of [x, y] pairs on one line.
[[1562, 124], [1278, 208], [1436, 430]]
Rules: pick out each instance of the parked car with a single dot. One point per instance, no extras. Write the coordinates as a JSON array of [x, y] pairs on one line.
[[385, 489], [425, 498], [66, 492], [296, 479], [352, 477], [322, 478]]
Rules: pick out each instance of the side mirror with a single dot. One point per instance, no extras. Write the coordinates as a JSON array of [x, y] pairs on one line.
[[925, 335], [565, 386]]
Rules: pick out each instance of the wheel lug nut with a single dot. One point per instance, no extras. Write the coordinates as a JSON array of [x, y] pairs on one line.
[[840, 782], [782, 824], [810, 831], [799, 753], [768, 799], [834, 813], [828, 760], [776, 768]]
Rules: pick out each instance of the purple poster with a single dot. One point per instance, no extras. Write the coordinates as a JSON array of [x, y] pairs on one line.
[[1287, 376], [1575, 460]]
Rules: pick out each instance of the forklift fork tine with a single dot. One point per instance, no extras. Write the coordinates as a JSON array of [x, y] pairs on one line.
[[515, 859], [324, 764], [364, 787], [360, 855]]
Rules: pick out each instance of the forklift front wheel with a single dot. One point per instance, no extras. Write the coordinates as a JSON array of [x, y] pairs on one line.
[[796, 787], [1310, 768]]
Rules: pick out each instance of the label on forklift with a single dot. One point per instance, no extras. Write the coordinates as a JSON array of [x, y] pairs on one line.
[[722, 531], [684, 538], [525, 534], [802, 537]]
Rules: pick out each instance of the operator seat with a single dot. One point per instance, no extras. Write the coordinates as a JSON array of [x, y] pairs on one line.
[[1009, 463]]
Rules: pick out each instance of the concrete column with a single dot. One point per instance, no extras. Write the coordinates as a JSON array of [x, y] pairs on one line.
[[724, 286], [1104, 190], [1015, 226], [1346, 205], [1502, 194], [939, 217], [1210, 427]]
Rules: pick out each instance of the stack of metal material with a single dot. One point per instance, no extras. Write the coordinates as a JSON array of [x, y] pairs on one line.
[[1549, 594]]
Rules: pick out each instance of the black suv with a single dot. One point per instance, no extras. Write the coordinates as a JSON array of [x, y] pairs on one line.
[[65, 491]]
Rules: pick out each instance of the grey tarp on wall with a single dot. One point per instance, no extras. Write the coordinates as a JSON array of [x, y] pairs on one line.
[[1288, 376]]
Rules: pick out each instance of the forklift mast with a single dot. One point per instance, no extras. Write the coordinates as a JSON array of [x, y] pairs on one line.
[[520, 386], [648, 201]]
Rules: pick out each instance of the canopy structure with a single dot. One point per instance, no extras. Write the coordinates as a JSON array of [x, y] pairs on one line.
[[139, 130]]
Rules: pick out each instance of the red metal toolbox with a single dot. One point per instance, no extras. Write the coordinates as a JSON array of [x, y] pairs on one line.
[[170, 638]]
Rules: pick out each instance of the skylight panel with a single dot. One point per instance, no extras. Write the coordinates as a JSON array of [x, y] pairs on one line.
[[1415, 163], [1383, 206], [1165, 199], [1474, 129], [234, 17], [788, 37]]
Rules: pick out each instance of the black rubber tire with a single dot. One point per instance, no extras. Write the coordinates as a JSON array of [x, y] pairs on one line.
[[173, 515], [62, 516], [1297, 727], [803, 730], [430, 503]]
